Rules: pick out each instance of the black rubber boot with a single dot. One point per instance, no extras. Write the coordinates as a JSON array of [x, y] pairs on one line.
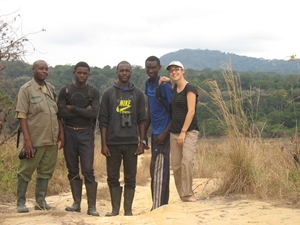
[[76, 188], [128, 199], [41, 187], [115, 198], [21, 195], [91, 192]]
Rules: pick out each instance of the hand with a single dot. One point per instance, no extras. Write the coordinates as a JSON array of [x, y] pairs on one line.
[[28, 149], [28, 152], [140, 150], [146, 146], [61, 139], [161, 138], [180, 139], [68, 107], [163, 79], [105, 151], [89, 107]]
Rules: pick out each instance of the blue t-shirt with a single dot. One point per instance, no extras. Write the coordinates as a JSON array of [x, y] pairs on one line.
[[160, 118]]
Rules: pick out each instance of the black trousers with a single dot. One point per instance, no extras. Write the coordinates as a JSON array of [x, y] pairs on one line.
[[113, 164], [79, 148]]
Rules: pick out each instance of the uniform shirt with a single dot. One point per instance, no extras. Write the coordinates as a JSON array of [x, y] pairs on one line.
[[40, 111]]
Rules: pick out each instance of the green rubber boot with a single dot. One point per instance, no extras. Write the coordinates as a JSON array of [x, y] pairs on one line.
[[21, 195], [76, 188], [40, 194], [115, 198], [91, 192]]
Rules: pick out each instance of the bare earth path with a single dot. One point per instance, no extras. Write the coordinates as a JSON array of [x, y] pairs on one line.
[[218, 210]]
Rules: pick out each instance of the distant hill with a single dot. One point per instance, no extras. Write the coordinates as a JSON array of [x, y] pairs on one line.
[[198, 59]]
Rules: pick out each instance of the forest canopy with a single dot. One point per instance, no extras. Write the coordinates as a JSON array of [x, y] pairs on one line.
[[274, 106]]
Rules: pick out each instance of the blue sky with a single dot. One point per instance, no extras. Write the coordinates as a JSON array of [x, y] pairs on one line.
[[107, 32]]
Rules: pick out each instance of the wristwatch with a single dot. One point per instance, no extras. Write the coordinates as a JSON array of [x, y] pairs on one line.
[[143, 142]]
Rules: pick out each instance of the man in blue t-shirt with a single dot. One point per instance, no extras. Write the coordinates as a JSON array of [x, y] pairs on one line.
[[158, 115]]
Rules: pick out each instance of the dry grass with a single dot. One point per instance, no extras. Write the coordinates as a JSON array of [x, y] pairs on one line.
[[59, 182], [143, 171], [244, 162], [263, 167]]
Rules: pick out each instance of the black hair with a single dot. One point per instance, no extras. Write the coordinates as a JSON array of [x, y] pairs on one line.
[[153, 58], [82, 64], [123, 62]]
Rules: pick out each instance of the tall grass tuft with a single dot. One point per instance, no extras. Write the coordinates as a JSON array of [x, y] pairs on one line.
[[250, 164]]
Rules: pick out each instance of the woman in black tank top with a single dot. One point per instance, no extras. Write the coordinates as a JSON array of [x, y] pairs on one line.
[[184, 131]]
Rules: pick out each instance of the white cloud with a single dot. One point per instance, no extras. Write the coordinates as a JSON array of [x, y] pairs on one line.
[[106, 32]]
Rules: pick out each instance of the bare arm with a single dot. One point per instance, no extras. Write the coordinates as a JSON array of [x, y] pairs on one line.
[[161, 138], [164, 79], [191, 103], [140, 149], [27, 140], [147, 125], [104, 149], [148, 121], [61, 137]]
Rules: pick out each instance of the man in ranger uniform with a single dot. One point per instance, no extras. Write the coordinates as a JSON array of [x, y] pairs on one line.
[[37, 113]]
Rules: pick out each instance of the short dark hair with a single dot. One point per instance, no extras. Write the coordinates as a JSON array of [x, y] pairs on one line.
[[153, 58], [123, 62], [37, 62], [82, 64]]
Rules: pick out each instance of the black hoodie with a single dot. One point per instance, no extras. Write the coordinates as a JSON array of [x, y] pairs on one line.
[[117, 102]]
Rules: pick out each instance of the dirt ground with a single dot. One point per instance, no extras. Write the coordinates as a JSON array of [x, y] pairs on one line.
[[233, 210]]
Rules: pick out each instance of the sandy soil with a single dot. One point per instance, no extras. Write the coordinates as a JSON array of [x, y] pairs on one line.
[[216, 210]]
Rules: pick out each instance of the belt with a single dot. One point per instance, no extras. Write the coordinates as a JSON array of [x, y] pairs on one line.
[[78, 128]]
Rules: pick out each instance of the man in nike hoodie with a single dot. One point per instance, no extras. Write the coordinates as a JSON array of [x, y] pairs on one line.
[[122, 120]]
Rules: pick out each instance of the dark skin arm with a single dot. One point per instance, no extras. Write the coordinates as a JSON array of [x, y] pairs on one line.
[[27, 140], [61, 136], [148, 122], [140, 149], [104, 149], [161, 138]]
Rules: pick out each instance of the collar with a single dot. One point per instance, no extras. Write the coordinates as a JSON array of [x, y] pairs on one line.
[[35, 84]]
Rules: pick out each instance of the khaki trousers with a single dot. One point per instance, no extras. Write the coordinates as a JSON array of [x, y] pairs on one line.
[[44, 162], [182, 161]]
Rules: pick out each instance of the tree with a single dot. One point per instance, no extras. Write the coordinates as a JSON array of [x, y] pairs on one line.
[[12, 48], [12, 44]]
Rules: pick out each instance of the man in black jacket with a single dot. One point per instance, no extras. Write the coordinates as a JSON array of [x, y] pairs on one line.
[[78, 105], [122, 118]]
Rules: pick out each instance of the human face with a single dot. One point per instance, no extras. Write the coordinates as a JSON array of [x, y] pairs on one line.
[[152, 69], [124, 73], [176, 73], [81, 75], [40, 71]]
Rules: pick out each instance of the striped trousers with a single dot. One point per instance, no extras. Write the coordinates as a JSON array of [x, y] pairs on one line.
[[160, 172]]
